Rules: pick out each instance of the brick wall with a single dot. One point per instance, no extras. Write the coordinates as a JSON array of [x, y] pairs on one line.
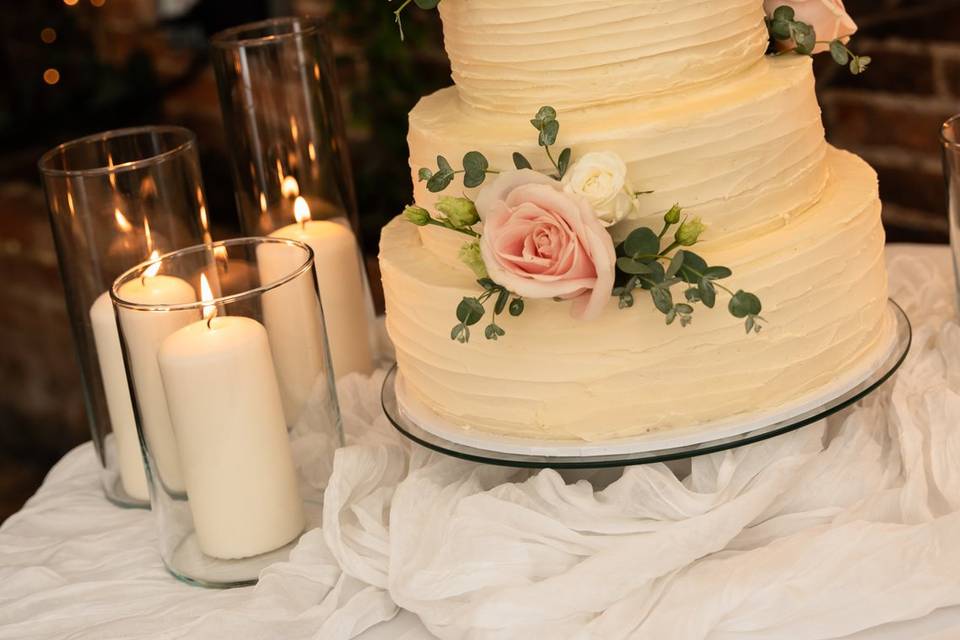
[[892, 114]]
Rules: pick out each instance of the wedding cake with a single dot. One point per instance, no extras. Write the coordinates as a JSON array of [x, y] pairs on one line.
[[600, 140]]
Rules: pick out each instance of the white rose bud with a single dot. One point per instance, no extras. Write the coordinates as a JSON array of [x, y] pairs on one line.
[[601, 178]]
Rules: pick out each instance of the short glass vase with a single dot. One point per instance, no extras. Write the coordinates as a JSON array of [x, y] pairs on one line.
[[235, 401]]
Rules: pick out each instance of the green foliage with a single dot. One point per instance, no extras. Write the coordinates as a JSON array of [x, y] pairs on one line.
[[640, 264], [475, 170], [471, 310], [784, 26]]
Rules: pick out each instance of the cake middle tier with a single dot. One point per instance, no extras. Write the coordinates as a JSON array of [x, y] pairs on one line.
[[745, 155], [821, 279]]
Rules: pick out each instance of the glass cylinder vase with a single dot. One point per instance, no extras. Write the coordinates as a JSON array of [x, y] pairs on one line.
[[950, 147], [114, 199], [235, 402], [291, 171]]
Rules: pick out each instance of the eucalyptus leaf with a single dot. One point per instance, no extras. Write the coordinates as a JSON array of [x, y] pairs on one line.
[[692, 294], [469, 311], [671, 316], [440, 181], [424, 174], [662, 299], [839, 52], [475, 167], [516, 307], [520, 162], [744, 304], [633, 267], [708, 294], [549, 132], [487, 283], [626, 300], [563, 162], [642, 242], [804, 37], [544, 115], [492, 331], [717, 273], [683, 309], [785, 13], [750, 323], [693, 268], [501, 303], [675, 263], [780, 29], [460, 333], [443, 164]]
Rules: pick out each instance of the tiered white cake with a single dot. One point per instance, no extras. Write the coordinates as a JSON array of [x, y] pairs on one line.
[[683, 92]]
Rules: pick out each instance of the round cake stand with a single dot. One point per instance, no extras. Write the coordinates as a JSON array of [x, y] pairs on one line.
[[643, 452]]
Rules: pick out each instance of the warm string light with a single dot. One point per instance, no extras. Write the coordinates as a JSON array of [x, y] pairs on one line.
[[48, 35], [290, 188], [51, 76], [312, 151], [263, 203]]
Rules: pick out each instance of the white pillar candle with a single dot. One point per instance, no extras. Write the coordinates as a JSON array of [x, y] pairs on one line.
[[228, 418], [119, 406], [292, 317], [143, 332], [337, 265]]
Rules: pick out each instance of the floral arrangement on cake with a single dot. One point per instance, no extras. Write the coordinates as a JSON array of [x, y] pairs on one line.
[[545, 236], [795, 26]]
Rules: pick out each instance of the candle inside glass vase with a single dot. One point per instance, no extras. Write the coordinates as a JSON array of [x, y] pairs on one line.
[[227, 414], [336, 262]]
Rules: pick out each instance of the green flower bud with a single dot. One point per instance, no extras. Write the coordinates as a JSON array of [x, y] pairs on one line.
[[470, 256], [689, 232], [673, 215], [461, 212], [417, 215]]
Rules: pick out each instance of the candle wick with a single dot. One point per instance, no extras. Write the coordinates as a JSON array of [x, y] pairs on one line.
[[209, 320]]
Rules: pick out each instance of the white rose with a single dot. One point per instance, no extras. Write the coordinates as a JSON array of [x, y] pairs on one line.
[[601, 178]]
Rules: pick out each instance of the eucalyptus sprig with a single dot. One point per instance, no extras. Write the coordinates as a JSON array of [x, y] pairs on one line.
[[475, 170], [783, 25], [470, 311], [642, 262], [549, 127], [423, 4]]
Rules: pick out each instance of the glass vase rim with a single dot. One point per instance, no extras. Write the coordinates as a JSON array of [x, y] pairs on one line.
[[948, 124], [189, 140], [137, 270], [231, 38]]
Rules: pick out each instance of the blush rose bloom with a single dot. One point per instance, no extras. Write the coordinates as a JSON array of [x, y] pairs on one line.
[[540, 242], [829, 18]]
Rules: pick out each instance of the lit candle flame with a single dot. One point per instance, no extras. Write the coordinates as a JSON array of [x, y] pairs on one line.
[[70, 205], [203, 218], [290, 188], [153, 269], [122, 221], [301, 210], [220, 255], [263, 203], [294, 131], [312, 151], [206, 296]]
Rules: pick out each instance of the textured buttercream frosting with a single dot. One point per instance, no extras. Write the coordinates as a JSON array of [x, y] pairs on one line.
[[820, 276], [516, 55]]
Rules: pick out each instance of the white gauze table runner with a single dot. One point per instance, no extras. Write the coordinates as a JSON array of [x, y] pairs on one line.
[[819, 533]]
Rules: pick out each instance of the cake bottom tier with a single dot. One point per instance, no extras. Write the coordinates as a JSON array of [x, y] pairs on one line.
[[821, 278]]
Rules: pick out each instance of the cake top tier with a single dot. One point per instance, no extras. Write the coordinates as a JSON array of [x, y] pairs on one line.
[[518, 55]]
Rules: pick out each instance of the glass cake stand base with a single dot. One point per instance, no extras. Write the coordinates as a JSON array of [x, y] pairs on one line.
[[420, 424]]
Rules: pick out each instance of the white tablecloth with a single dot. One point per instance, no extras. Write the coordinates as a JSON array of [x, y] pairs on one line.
[[833, 530]]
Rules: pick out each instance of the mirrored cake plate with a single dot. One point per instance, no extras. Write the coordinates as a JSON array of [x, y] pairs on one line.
[[419, 423]]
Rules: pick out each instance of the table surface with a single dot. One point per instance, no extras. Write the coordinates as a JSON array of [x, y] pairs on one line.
[[74, 566]]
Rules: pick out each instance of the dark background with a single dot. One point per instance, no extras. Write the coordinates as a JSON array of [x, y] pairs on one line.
[[129, 62]]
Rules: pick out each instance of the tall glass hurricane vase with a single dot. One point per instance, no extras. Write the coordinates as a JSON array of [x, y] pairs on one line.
[[279, 98], [950, 144], [115, 199], [234, 399]]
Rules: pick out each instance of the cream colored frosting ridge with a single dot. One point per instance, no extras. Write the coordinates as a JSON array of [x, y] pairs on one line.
[[517, 55], [820, 276], [746, 155]]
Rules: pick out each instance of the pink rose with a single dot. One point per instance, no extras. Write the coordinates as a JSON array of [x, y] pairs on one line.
[[828, 18], [541, 242]]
